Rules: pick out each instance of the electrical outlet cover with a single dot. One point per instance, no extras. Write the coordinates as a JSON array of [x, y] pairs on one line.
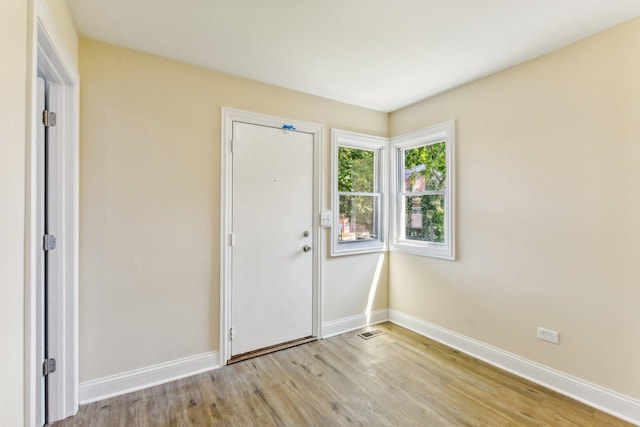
[[547, 335]]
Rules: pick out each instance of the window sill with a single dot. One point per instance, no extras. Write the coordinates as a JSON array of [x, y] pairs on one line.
[[354, 248], [431, 251]]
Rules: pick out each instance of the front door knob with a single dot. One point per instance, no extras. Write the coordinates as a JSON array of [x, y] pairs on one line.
[[306, 248]]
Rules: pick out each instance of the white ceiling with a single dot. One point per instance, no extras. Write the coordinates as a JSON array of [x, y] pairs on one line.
[[380, 54]]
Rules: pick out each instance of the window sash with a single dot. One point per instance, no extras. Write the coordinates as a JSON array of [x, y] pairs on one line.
[[375, 215], [376, 166], [402, 169], [403, 195], [402, 218], [376, 225]]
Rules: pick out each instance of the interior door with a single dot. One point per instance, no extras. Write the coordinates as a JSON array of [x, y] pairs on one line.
[[47, 261], [272, 219], [41, 329]]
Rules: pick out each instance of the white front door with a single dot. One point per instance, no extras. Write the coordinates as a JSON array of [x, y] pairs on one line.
[[272, 226]]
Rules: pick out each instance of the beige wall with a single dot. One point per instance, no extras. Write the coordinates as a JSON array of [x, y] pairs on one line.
[[548, 192], [150, 179], [13, 89]]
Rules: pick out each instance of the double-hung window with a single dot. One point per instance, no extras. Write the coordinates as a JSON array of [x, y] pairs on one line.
[[358, 191], [423, 199]]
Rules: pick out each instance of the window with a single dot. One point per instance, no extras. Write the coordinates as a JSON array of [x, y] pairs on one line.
[[423, 201], [358, 193]]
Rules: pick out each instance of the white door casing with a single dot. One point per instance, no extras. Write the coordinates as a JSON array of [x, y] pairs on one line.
[[52, 62], [272, 276], [314, 131]]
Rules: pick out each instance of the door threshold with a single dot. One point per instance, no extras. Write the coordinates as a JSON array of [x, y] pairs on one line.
[[270, 349]]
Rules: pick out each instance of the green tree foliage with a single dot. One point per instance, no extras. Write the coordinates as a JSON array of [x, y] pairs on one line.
[[429, 163], [425, 170], [355, 170]]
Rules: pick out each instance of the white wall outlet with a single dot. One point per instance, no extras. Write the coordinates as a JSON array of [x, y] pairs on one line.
[[325, 219], [547, 335]]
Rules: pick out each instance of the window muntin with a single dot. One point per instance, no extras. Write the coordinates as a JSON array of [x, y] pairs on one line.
[[422, 206], [358, 174]]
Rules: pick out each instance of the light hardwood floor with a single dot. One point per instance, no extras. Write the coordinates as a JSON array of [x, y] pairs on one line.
[[396, 379]]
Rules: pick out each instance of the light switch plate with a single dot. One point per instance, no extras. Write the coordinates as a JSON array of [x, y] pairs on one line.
[[325, 219]]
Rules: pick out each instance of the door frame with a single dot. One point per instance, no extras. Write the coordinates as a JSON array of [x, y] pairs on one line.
[[53, 62], [230, 115]]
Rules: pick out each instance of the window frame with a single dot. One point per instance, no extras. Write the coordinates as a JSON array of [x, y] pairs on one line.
[[342, 138], [423, 137]]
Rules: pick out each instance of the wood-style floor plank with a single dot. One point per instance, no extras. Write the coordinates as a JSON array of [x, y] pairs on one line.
[[396, 379]]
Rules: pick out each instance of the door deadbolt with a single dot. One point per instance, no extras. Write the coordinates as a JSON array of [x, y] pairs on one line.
[[305, 234]]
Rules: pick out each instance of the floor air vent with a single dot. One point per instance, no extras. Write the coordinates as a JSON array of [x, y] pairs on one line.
[[370, 334]]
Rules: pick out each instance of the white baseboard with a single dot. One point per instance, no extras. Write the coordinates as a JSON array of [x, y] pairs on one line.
[[346, 324], [126, 382], [616, 404]]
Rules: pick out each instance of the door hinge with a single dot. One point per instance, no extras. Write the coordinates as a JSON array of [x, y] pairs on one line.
[[48, 118], [232, 239], [48, 242], [48, 366], [230, 334], [233, 142]]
